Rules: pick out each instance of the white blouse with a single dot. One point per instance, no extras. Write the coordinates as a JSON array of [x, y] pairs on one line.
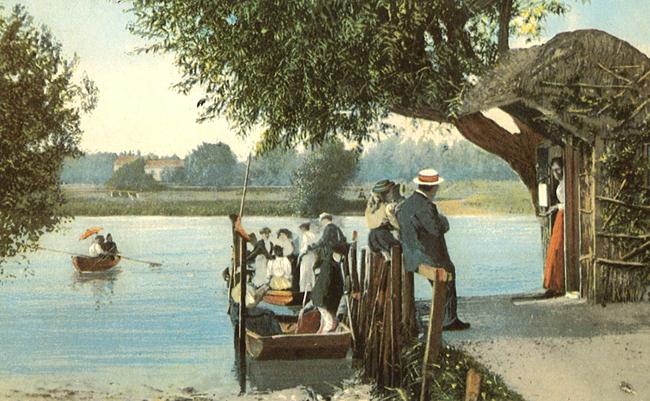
[[559, 192]]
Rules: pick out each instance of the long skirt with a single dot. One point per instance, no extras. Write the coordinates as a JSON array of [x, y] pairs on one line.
[[554, 267], [307, 276]]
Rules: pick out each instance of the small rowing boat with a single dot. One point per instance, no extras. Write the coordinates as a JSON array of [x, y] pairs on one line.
[[284, 297], [87, 264], [291, 346]]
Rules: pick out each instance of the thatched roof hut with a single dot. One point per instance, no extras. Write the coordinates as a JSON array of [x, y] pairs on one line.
[[587, 93]]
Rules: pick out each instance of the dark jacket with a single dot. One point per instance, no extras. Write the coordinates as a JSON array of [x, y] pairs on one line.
[[259, 249], [422, 233], [382, 239], [110, 247], [332, 235], [328, 288]]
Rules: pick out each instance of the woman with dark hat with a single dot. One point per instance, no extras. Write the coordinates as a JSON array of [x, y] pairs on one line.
[[260, 255], [385, 195]]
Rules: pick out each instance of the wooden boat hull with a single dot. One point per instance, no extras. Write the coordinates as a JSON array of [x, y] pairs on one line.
[[284, 298], [333, 345], [98, 264]]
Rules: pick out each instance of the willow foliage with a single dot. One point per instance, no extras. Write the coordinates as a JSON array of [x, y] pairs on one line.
[[309, 69], [40, 110]]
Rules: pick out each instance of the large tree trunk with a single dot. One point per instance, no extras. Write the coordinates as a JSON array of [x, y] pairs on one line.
[[519, 150]]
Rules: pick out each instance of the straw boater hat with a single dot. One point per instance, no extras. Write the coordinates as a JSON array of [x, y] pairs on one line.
[[428, 177]]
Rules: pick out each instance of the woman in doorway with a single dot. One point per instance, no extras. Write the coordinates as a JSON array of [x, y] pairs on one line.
[[554, 266]]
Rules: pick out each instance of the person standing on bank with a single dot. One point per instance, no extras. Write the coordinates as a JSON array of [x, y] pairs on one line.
[[422, 233], [554, 266]]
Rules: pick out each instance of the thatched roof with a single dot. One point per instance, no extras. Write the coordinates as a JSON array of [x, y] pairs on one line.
[[568, 82]]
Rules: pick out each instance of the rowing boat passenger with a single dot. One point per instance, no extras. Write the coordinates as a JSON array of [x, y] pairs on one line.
[[96, 248], [279, 270], [109, 247]]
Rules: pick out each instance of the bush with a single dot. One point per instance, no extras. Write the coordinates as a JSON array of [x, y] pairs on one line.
[[132, 177], [318, 182]]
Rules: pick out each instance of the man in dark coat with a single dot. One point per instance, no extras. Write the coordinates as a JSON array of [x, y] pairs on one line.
[[422, 233], [331, 236], [262, 247], [328, 289]]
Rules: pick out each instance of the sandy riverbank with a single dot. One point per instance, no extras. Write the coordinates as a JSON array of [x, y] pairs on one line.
[[561, 349], [26, 390]]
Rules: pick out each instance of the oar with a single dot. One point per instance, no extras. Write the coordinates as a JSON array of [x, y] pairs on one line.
[[152, 264]]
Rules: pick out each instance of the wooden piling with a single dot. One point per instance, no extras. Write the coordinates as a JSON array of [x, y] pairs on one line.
[[409, 320], [439, 279], [395, 291], [472, 385], [242, 298]]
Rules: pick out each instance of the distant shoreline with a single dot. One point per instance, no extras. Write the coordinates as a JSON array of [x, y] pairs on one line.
[[457, 199]]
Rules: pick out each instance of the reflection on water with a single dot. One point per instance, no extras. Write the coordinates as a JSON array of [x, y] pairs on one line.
[[167, 327], [100, 285], [324, 376]]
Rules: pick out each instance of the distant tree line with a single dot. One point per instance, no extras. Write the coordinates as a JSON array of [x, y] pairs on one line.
[[400, 159], [215, 165]]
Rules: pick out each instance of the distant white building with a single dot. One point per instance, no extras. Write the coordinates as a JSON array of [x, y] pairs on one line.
[[153, 167], [123, 161]]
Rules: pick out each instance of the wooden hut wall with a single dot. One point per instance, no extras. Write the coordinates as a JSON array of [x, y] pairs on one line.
[[586, 221], [618, 279]]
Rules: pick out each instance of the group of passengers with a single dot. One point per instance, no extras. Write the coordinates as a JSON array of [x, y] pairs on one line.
[[103, 247], [305, 264]]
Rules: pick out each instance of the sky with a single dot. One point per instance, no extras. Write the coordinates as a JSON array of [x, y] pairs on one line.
[[139, 110]]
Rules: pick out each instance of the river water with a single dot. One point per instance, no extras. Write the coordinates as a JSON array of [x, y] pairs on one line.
[[166, 328]]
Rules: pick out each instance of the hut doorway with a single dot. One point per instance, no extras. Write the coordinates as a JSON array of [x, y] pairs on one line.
[[572, 158]]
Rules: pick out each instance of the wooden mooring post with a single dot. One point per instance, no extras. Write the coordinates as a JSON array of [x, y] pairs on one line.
[[439, 278], [242, 298]]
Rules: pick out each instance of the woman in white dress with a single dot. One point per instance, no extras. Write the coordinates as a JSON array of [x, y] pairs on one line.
[[279, 270], [307, 258]]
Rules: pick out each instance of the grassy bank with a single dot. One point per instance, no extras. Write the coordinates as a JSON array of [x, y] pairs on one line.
[[457, 198], [449, 378]]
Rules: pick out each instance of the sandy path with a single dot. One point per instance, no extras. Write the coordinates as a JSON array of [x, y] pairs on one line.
[[561, 350]]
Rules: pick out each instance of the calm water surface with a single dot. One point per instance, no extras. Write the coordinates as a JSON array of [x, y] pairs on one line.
[[167, 326]]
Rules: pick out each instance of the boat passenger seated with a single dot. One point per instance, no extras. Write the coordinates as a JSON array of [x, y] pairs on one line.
[[109, 247], [279, 270], [315, 320], [259, 320], [96, 248]]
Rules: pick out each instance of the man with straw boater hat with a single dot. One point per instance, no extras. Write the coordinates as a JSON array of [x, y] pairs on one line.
[[422, 233]]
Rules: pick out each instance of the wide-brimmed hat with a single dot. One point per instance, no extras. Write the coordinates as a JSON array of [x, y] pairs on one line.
[[383, 186], [428, 177], [265, 230], [325, 215], [304, 226]]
